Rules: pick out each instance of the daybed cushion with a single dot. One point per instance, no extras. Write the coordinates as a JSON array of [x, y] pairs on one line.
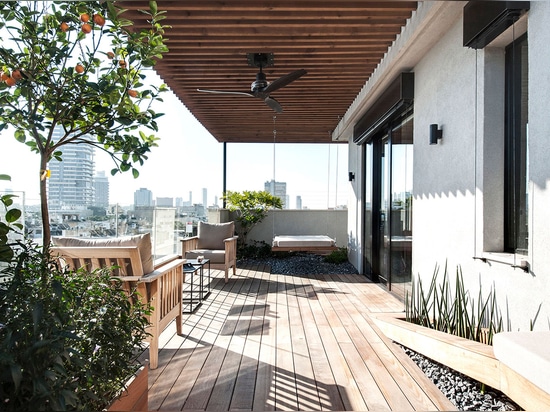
[[303, 241], [143, 242], [215, 256], [527, 353], [212, 235]]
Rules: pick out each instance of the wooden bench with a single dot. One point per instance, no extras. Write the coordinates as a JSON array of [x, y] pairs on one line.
[[162, 288]]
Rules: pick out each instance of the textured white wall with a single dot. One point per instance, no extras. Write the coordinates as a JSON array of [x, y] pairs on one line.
[[458, 184]]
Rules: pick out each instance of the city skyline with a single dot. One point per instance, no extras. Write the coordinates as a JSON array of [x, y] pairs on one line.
[[189, 159]]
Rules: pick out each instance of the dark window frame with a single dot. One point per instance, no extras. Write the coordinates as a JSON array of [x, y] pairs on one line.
[[516, 236]]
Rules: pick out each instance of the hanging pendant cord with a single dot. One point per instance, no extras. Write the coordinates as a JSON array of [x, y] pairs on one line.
[[274, 157]]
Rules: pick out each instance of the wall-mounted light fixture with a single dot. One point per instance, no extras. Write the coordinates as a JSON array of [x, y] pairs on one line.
[[351, 176], [435, 134]]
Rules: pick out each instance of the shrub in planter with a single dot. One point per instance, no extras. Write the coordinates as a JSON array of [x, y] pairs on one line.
[[68, 340], [337, 256]]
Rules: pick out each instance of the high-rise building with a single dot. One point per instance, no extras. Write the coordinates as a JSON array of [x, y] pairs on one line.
[[298, 202], [143, 197], [101, 189], [277, 189], [71, 182]]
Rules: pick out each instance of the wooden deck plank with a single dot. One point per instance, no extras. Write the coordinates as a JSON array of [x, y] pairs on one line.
[[329, 394], [277, 342], [306, 388], [285, 378], [264, 399], [243, 395]]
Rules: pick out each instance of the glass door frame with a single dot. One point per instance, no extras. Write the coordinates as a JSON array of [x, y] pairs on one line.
[[373, 239]]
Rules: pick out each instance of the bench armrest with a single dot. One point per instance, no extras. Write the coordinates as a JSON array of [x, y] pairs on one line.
[[159, 272]]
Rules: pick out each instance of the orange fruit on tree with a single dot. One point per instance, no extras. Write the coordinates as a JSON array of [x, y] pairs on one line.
[[79, 68], [85, 17], [64, 27], [86, 28], [110, 55], [98, 19], [10, 81], [16, 74], [132, 93], [4, 76], [122, 63]]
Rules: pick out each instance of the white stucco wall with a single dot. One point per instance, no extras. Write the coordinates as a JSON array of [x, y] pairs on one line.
[[458, 184]]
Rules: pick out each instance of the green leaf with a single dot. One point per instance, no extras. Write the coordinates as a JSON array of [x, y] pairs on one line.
[[135, 173], [153, 7], [13, 215], [5, 177]]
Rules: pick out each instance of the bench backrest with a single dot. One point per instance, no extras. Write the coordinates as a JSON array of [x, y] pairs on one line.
[[125, 259]]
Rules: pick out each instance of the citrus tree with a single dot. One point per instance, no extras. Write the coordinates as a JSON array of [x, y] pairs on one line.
[[78, 67], [251, 208]]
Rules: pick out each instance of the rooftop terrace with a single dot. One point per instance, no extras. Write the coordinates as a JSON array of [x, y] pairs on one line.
[[280, 342]]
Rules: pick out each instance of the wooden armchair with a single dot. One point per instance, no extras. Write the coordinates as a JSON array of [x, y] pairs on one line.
[[215, 242], [161, 287]]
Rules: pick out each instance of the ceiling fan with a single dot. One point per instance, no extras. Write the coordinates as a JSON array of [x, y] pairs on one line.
[[261, 88]]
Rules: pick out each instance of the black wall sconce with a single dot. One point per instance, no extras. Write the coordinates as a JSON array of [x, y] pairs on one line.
[[351, 176], [435, 134]]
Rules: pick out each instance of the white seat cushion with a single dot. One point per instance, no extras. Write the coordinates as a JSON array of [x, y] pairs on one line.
[[527, 353]]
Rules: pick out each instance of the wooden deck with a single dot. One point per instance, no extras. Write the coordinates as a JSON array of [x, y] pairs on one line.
[[271, 342]]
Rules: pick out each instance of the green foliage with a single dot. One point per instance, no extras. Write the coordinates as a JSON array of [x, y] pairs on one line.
[[8, 223], [337, 256], [453, 310], [259, 249], [68, 340], [92, 86], [251, 208]]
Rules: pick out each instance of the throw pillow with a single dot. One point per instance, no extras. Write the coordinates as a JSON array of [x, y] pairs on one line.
[[212, 235]]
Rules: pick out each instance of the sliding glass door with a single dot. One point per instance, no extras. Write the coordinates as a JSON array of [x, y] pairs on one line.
[[388, 230]]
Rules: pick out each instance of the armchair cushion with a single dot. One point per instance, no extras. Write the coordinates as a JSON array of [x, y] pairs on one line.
[[215, 256], [212, 235], [143, 242]]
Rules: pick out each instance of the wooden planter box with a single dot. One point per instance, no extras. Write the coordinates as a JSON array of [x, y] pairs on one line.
[[471, 358], [135, 397]]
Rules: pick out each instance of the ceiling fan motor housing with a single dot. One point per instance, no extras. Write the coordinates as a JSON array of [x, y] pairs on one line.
[[259, 83]]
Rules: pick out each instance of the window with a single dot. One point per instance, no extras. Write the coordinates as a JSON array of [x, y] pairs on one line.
[[516, 154]]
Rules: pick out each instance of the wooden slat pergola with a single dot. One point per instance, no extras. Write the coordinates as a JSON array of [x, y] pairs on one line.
[[339, 43]]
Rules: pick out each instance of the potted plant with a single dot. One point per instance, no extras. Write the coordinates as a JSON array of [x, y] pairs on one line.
[[251, 208], [73, 73], [68, 340]]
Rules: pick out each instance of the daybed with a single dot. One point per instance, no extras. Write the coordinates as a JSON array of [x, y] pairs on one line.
[[303, 243]]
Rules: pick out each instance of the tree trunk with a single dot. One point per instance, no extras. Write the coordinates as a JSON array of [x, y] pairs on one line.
[[46, 234]]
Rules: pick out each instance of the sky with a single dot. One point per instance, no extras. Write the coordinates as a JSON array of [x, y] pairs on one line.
[[188, 158]]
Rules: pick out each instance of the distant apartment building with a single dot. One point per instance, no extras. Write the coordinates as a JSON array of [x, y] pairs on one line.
[[277, 189], [298, 202], [143, 197], [71, 182], [101, 189], [164, 202]]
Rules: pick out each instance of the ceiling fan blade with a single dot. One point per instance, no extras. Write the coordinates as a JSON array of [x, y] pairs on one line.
[[283, 81], [225, 92], [274, 104]]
